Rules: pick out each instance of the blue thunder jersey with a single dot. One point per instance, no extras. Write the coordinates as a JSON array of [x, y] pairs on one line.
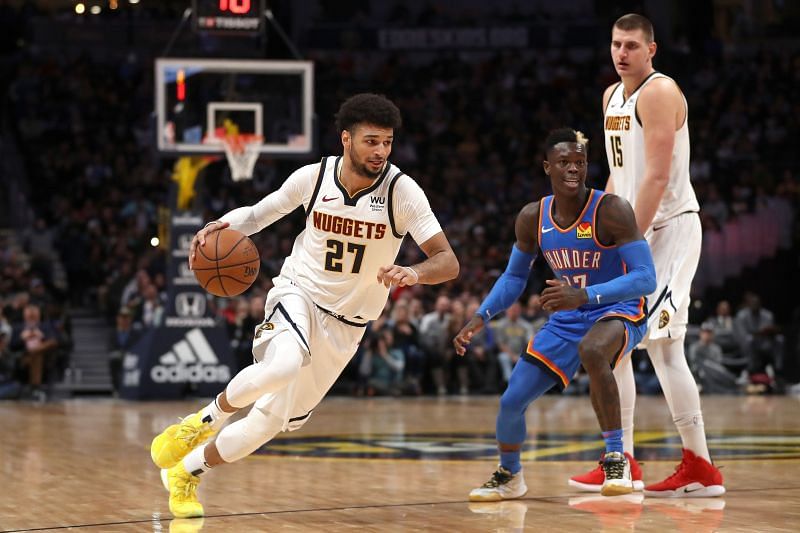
[[577, 257]]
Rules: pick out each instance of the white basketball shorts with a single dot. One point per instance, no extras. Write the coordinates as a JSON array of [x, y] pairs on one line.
[[675, 245], [328, 342]]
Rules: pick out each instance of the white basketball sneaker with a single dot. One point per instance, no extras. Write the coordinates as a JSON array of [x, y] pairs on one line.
[[503, 485], [618, 475]]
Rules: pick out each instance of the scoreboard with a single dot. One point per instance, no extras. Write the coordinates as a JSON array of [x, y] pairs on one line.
[[228, 16]]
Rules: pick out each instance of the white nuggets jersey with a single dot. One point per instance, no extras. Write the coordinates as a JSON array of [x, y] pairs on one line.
[[336, 258], [624, 138]]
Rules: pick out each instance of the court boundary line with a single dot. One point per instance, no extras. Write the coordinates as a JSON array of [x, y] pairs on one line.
[[542, 499]]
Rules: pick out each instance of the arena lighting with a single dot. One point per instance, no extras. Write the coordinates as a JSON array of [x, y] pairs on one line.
[[133, 1], [95, 10], [113, 4], [154, 242], [80, 9]]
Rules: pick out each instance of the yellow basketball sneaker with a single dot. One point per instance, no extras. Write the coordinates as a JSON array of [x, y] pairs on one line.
[[182, 487], [172, 445]]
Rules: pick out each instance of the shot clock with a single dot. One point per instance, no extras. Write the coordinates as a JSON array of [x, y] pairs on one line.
[[228, 16]]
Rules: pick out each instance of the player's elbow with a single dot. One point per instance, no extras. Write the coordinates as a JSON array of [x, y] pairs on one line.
[[649, 284], [446, 269], [454, 268], [659, 179]]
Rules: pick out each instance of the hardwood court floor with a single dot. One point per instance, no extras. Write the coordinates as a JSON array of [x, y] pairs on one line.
[[391, 465]]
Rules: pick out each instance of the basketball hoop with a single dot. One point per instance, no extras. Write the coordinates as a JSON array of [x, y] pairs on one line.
[[241, 151]]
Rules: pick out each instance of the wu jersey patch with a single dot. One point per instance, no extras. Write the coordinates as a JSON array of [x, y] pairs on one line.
[[584, 230], [377, 203]]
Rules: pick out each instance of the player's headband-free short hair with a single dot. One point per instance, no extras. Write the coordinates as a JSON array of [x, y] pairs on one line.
[[633, 21], [564, 135], [368, 108]]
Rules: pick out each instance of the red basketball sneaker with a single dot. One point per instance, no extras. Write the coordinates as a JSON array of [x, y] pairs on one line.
[[593, 481], [693, 478]]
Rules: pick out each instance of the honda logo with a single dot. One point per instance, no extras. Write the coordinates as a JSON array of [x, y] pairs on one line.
[[190, 304]]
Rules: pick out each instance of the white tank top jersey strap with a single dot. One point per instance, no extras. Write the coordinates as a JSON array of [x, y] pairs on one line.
[[624, 138], [335, 259]]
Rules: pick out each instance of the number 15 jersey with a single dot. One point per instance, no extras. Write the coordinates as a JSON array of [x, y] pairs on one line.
[[624, 136]]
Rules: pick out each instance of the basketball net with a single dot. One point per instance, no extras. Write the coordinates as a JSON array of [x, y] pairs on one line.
[[241, 151]]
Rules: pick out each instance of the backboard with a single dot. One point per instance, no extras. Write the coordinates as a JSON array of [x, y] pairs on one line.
[[199, 100]]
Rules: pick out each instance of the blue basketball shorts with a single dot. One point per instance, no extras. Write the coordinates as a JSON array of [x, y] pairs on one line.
[[555, 347]]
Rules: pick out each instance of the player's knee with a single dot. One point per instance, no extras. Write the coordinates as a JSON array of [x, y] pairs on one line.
[[511, 404], [283, 356], [592, 354]]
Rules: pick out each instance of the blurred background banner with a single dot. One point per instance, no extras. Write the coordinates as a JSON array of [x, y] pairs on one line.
[[189, 352], [115, 116]]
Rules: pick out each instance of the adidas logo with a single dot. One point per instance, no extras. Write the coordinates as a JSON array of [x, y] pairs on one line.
[[191, 359]]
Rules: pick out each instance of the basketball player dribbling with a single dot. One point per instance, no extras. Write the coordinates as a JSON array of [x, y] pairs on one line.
[[647, 145], [358, 209]]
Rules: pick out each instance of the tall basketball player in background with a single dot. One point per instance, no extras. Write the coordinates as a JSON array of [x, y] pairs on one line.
[[647, 145], [358, 209]]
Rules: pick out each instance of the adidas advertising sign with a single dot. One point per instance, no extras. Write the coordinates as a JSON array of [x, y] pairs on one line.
[[191, 360], [169, 363]]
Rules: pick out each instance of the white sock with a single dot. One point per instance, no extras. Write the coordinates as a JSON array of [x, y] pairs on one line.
[[195, 462], [623, 373], [216, 415], [693, 433], [680, 391]]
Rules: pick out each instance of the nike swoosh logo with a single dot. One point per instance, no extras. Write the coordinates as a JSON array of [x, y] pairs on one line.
[[687, 491], [326, 199], [660, 227], [548, 229]]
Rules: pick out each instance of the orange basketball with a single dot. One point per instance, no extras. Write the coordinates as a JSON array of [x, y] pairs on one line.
[[227, 264]]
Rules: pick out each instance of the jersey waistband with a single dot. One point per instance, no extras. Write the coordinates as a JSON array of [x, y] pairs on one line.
[[667, 221], [341, 318]]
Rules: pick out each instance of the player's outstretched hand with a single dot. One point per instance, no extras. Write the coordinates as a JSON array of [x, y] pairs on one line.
[[402, 276], [464, 337], [560, 297], [200, 237]]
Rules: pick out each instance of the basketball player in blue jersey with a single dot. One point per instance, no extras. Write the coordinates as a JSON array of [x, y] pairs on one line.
[[604, 269]]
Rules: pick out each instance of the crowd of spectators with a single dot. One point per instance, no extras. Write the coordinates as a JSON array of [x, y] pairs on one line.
[[473, 123]]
